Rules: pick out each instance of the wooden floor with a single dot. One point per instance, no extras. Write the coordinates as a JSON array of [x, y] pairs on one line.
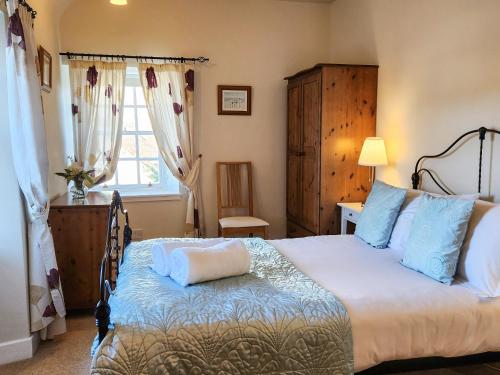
[[70, 354]]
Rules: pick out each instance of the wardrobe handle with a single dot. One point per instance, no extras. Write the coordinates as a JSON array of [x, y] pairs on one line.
[[300, 153]]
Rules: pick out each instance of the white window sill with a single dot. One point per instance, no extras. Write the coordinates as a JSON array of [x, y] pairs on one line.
[[150, 197], [145, 195]]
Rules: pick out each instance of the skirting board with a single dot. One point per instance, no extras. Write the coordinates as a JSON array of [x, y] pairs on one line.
[[17, 350]]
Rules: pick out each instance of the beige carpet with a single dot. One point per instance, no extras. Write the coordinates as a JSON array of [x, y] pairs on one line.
[[66, 354], [70, 354]]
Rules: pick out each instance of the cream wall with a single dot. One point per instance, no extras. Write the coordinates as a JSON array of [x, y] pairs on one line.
[[255, 43], [47, 35], [439, 77]]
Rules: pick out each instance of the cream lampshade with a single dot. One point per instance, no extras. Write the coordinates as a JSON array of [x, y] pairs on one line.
[[373, 154], [118, 2]]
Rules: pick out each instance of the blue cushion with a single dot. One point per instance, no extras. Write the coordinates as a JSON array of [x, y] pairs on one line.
[[436, 236], [381, 210]]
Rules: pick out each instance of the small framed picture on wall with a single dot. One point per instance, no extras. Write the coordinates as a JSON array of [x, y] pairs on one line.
[[234, 100], [45, 61]]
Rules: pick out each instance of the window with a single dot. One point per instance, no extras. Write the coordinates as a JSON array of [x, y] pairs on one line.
[[141, 169]]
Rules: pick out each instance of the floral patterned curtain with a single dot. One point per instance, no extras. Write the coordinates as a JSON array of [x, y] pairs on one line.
[[169, 93], [97, 106], [27, 129]]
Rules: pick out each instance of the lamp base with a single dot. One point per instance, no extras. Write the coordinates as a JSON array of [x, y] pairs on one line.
[[371, 177]]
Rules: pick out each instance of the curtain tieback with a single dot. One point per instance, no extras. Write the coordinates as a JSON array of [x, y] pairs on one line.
[[191, 179], [39, 215]]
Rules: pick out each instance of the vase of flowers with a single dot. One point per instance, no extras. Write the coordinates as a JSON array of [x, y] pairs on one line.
[[80, 177]]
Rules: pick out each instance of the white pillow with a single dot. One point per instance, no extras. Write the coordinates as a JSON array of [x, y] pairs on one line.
[[479, 262], [401, 230]]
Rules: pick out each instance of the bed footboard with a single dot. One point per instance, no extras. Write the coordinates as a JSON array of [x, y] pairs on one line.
[[111, 261]]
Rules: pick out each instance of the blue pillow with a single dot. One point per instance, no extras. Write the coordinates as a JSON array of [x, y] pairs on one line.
[[379, 215], [436, 236]]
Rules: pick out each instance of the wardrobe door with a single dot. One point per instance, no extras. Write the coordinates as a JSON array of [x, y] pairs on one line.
[[349, 110], [311, 92], [294, 150]]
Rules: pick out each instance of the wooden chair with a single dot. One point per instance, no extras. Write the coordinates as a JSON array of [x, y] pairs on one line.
[[233, 200]]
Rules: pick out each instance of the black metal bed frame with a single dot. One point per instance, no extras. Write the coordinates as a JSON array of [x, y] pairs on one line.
[[418, 172], [111, 261]]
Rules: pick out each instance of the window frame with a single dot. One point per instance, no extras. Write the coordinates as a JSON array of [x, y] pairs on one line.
[[168, 187]]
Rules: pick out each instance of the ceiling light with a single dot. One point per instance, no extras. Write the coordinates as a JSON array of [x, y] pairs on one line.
[[118, 2]]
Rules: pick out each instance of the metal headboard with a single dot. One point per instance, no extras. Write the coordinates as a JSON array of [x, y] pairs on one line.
[[417, 174], [111, 261]]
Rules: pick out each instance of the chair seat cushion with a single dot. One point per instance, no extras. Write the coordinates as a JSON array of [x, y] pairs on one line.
[[242, 222]]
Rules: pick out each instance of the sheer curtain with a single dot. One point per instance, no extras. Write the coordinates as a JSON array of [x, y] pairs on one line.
[[29, 147], [97, 90], [169, 93]]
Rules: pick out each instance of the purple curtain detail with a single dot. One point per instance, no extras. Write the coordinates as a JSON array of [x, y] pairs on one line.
[[92, 76], [151, 78], [53, 278], [109, 91], [74, 109], [178, 109], [50, 310], [16, 28], [190, 80], [179, 152]]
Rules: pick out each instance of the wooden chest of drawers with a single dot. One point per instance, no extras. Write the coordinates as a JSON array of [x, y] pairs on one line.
[[79, 231]]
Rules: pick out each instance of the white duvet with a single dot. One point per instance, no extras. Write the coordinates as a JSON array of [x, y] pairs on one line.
[[396, 313]]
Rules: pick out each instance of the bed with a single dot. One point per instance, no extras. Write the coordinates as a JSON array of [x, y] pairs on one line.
[[396, 313], [333, 305]]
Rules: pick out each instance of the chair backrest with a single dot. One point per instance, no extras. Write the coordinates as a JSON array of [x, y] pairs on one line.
[[232, 196]]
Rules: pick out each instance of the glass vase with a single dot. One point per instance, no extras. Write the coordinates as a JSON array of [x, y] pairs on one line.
[[79, 190]]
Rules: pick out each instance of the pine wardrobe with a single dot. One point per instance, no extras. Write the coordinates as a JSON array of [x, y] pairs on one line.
[[331, 110]]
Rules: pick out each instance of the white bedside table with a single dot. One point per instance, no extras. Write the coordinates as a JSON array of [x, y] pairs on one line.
[[350, 212]]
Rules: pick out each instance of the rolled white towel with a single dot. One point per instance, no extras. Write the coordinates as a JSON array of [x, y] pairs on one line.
[[194, 265], [161, 251]]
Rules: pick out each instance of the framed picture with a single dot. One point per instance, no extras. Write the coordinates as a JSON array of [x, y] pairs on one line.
[[235, 100], [45, 60]]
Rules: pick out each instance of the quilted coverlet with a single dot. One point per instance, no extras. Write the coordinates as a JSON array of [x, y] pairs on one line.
[[275, 320]]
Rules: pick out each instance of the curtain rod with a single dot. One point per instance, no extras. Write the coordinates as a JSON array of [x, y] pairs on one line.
[[30, 9], [71, 55]]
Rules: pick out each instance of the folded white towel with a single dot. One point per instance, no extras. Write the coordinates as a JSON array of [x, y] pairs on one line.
[[161, 252], [194, 265]]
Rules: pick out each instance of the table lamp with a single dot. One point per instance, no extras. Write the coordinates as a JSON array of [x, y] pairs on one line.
[[373, 155]]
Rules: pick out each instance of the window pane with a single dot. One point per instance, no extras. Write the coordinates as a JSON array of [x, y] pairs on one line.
[[150, 172], [143, 119], [129, 96], [129, 119], [127, 172], [128, 149], [147, 146], [139, 95]]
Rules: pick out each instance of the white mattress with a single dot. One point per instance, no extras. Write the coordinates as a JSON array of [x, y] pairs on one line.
[[396, 313]]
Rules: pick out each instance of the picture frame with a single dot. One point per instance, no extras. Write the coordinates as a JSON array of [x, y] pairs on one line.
[[234, 100], [45, 62]]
